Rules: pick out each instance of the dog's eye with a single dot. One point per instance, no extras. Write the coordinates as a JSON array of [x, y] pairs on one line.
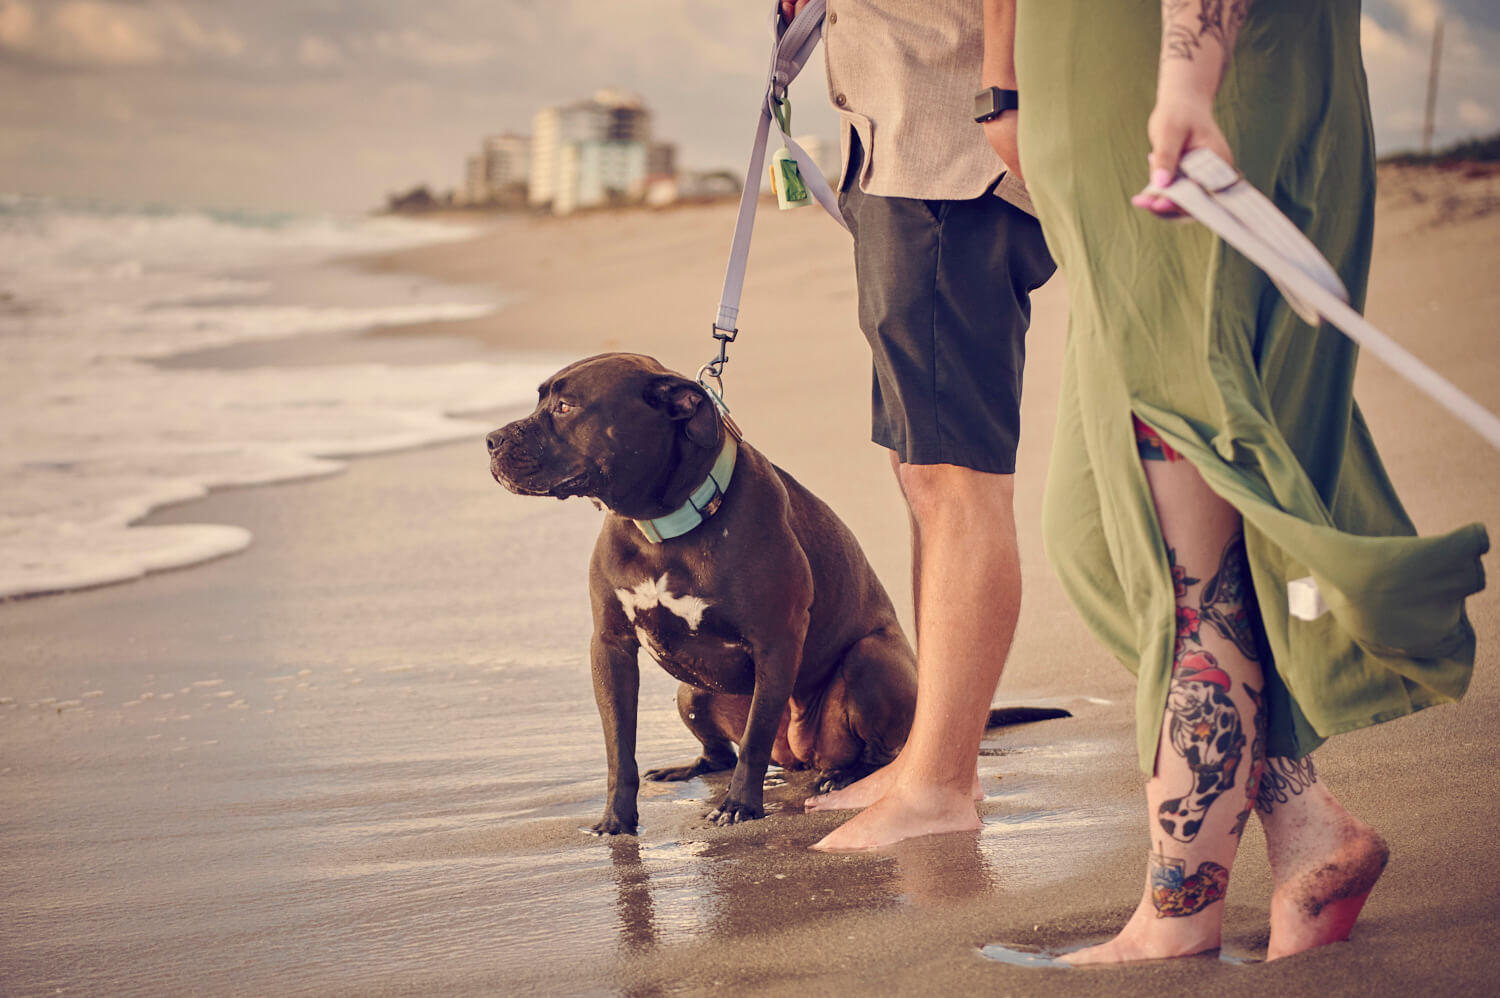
[[562, 407]]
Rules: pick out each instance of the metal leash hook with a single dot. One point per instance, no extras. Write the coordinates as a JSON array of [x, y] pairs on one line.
[[713, 370], [715, 367]]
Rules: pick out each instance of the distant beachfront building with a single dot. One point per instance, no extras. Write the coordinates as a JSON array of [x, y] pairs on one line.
[[661, 160], [824, 154], [498, 174], [590, 152], [507, 159], [597, 173], [678, 188]]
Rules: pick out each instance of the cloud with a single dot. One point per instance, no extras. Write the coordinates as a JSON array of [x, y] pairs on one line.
[[317, 53], [412, 45], [17, 25], [1380, 45], [1419, 14], [706, 37], [1397, 42], [94, 33], [1475, 115]]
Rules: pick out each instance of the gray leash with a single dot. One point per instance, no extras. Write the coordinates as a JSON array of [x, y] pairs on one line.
[[793, 46]]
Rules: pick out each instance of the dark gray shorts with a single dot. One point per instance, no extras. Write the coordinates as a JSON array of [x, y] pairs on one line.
[[945, 300]]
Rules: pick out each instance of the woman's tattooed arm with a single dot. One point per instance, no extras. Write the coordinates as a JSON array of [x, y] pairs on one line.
[[1188, 25]]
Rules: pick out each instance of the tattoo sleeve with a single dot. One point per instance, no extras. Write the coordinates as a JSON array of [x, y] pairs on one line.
[[1175, 893], [1228, 601], [1282, 780], [1193, 29], [1257, 759]]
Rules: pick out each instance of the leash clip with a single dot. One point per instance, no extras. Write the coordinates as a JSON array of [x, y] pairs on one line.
[[716, 393], [715, 368]]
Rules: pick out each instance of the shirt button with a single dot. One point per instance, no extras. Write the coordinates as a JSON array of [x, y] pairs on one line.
[[841, 100], [833, 18]]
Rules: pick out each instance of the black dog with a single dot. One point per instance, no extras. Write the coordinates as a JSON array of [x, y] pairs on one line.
[[764, 607]]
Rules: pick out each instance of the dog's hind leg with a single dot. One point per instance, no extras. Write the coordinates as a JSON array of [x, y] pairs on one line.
[[716, 720], [867, 713]]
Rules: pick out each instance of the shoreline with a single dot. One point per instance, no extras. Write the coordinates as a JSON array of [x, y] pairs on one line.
[[403, 816]]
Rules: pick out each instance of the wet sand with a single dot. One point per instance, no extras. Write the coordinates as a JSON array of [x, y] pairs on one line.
[[355, 758]]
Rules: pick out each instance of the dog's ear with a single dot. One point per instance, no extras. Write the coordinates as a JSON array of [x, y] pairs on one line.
[[686, 402]]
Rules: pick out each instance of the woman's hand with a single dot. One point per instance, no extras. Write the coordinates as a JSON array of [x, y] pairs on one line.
[[1197, 41], [1178, 124]]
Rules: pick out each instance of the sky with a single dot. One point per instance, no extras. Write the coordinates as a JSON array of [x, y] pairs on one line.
[[328, 105]]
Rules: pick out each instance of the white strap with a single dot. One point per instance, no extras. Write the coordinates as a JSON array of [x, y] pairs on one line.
[[793, 47], [1247, 220]]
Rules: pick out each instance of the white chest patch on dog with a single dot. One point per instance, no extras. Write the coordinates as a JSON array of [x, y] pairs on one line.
[[648, 594]]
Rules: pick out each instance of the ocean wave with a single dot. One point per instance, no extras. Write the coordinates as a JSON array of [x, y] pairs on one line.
[[97, 436]]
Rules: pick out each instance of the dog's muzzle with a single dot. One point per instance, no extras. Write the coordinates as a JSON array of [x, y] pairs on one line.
[[522, 470]]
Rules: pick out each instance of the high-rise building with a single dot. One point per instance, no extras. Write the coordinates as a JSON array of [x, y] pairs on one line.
[[598, 173], [498, 174], [475, 190], [661, 159], [824, 153], [589, 152], [507, 160]]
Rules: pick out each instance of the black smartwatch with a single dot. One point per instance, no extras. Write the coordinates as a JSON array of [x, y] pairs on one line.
[[991, 102]]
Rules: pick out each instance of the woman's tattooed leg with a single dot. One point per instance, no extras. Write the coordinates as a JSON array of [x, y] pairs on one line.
[[1176, 894], [1284, 779], [1212, 730]]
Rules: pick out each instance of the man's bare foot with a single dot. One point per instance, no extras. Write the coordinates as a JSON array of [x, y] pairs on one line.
[[903, 813], [862, 793], [1318, 903], [1147, 937], [859, 794]]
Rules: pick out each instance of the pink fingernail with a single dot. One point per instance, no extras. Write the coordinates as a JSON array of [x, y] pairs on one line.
[[1160, 178]]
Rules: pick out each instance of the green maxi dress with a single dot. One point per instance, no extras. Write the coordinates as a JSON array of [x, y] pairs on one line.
[[1170, 325]]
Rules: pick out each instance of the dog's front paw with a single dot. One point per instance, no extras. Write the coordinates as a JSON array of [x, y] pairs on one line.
[[613, 824], [732, 812]]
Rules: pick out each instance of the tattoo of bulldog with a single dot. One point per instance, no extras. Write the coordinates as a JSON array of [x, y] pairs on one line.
[[1205, 730]]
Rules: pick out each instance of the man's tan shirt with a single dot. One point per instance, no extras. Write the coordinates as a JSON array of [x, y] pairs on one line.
[[902, 75]]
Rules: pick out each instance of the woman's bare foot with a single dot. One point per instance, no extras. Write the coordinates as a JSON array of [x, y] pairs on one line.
[[1148, 936], [1324, 861], [904, 812], [862, 793], [1318, 903]]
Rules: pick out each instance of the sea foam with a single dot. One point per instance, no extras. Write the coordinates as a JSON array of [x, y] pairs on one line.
[[96, 435]]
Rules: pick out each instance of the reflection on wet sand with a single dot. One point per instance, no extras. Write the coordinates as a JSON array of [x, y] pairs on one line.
[[732, 883], [632, 894], [701, 905]]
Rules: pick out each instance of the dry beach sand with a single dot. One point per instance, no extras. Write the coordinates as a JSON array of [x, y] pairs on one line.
[[355, 758]]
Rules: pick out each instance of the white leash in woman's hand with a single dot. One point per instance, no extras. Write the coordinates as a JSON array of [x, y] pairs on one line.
[[1216, 194]]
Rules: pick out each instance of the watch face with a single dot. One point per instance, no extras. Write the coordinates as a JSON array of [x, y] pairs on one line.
[[991, 102], [986, 104]]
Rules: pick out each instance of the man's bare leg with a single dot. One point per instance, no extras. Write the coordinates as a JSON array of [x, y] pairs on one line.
[[862, 793], [968, 590], [1324, 861]]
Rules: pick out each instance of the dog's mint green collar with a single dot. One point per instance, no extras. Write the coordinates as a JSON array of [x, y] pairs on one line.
[[702, 504]]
